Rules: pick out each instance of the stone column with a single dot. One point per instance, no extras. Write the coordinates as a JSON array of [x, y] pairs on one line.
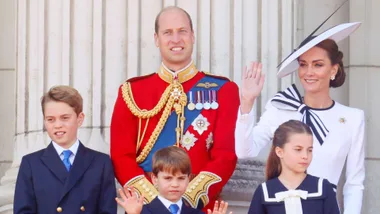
[[364, 71], [61, 42], [7, 89]]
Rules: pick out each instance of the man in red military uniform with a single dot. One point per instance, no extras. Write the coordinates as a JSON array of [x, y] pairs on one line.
[[178, 105]]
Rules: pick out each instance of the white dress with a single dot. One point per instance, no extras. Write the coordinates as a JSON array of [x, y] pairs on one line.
[[343, 142]]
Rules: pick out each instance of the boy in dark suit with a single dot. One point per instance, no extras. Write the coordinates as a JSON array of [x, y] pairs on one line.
[[171, 171], [65, 177]]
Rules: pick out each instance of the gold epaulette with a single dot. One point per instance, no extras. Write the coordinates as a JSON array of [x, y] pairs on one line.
[[198, 188], [143, 187], [216, 76]]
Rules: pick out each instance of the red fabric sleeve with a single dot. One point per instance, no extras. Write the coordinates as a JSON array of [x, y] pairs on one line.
[[123, 142]]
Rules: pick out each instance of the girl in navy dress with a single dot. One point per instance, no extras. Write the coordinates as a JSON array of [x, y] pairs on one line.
[[289, 189]]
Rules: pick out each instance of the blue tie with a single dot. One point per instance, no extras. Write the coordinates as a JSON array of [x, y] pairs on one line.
[[66, 161], [174, 208]]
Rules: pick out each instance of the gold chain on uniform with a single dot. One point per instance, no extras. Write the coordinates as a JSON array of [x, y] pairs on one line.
[[173, 96]]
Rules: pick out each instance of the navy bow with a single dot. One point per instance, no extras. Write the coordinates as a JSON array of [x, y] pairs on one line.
[[290, 99]]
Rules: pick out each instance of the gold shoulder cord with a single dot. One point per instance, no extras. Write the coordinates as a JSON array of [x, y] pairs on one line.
[[173, 96]]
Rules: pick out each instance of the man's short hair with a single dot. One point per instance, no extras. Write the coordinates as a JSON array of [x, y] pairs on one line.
[[156, 24], [65, 94], [171, 159]]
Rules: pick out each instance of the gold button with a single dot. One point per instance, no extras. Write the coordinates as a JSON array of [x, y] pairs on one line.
[[82, 208], [59, 209]]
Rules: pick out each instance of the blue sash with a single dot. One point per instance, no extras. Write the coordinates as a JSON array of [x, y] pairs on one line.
[[167, 136]]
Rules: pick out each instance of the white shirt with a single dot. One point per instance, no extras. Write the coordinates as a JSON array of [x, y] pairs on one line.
[[73, 149], [167, 203], [345, 141]]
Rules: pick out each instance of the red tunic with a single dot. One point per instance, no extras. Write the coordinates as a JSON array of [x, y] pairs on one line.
[[220, 159]]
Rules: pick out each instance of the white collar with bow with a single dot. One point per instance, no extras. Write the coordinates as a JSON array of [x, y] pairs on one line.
[[292, 200]]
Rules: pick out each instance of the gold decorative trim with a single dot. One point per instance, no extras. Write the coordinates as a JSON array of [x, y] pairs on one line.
[[143, 186], [144, 114], [182, 75], [207, 85], [173, 96], [198, 188]]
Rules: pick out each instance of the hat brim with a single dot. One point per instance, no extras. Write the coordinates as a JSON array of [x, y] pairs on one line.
[[336, 33]]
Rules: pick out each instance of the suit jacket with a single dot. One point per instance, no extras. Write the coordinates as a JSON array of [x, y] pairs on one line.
[[157, 207], [44, 185]]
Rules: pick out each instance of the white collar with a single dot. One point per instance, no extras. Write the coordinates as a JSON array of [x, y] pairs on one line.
[[73, 148], [167, 203], [309, 195]]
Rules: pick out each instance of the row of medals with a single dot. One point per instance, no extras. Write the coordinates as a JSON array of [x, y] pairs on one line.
[[203, 100]]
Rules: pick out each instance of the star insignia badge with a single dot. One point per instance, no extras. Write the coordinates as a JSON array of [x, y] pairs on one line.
[[176, 93], [200, 124], [188, 140]]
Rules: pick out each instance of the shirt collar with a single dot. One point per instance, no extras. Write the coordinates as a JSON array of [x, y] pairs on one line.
[[167, 203], [73, 148]]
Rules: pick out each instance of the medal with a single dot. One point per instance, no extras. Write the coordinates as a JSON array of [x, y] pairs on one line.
[[214, 104], [191, 105], [206, 99], [199, 104]]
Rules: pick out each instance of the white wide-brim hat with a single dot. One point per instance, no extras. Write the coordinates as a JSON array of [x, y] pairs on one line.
[[337, 33]]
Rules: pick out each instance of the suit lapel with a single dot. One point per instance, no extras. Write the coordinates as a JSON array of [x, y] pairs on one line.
[[156, 206], [82, 161], [54, 163]]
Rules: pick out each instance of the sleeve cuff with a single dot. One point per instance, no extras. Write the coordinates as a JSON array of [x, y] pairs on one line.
[[197, 191], [246, 118], [143, 186]]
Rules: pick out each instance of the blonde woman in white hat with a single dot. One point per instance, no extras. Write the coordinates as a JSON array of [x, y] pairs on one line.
[[338, 130]]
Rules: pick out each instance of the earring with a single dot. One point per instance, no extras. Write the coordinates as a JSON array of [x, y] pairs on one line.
[[332, 78]]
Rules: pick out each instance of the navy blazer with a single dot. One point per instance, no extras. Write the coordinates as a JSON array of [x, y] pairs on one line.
[[157, 207], [44, 186], [321, 198]]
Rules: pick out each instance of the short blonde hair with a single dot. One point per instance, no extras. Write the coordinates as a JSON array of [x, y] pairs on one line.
[[65, 94]]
